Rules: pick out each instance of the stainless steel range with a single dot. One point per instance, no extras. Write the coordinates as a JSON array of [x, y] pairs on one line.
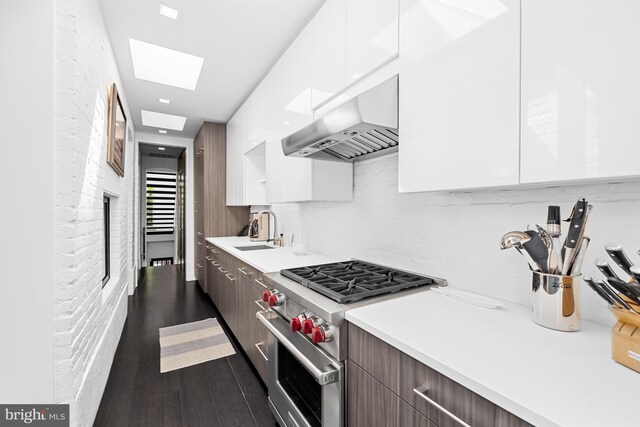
[[306, 360]]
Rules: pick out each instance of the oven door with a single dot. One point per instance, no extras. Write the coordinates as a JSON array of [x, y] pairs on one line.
[[306, 385]]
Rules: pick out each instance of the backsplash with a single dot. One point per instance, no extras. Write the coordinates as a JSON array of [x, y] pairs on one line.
[[455, 235]]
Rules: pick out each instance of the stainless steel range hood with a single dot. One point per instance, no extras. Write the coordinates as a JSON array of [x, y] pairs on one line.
[[363, 127]]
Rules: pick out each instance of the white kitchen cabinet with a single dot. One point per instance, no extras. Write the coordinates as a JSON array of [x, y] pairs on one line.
[[328, 43], [235, 160], [296, 83], [459, 94], [371, 35], [580, 90]]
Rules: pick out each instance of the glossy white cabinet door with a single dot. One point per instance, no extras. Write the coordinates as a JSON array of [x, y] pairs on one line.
[[328, 40], [235, 160], [459, 94], [580, 89], [372, 35]]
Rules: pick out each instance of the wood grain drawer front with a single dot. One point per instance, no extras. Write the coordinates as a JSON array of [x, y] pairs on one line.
[[410, 417], [369, 402], [374, 356]]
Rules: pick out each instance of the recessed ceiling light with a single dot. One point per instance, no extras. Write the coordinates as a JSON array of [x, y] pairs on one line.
[[164, 100], [161, 148], [162, 131], [162, 120], [286, 123], [167, 11], [165, 66]]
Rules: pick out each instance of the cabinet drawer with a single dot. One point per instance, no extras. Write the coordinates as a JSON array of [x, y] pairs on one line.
[[374, 356], [369, 402]]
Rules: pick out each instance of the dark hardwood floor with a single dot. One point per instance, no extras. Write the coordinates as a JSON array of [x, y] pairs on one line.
[[225, 392]]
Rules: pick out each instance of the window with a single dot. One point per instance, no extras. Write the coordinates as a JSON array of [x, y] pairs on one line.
[[161, 202], [106, 208]]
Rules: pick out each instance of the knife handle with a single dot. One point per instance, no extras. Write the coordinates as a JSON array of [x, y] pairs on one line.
[[635, 273], [606, 269], [576, 226], [589, 281], [613, 295], [619, 257], [622, 287]]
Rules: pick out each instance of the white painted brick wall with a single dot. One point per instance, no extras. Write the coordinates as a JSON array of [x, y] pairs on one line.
[[88, 319], [456, 235]]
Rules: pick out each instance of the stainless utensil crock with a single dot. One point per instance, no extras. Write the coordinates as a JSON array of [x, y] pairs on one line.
[[555, 301]]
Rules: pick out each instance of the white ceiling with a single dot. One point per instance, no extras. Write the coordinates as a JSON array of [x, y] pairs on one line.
[[240, 40]]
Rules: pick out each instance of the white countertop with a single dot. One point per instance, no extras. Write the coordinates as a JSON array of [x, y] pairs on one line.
[[545, 377], [269, 260]]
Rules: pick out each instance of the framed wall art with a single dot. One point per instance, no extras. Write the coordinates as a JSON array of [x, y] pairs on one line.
[[116, 131]]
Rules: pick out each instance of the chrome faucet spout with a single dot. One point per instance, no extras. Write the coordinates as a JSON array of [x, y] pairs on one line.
[[275, 223]]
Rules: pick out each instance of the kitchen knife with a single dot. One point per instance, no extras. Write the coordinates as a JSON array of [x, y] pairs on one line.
[[619, 257], [622, 287], [606, 269], [576, 268], [635, 272], [577, 224], [613, 295], [589, 281], [537, 250], [634, 287]]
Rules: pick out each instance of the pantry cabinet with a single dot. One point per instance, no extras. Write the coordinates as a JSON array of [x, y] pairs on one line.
[[459, 95], [371, 36], [235, 159], [580, 90]]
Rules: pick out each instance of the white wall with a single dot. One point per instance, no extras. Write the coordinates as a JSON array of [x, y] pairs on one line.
[[455, 235], [89, 319], [27, 165], [187, 144]]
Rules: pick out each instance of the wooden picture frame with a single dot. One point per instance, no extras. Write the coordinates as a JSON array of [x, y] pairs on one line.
[[116, 131]]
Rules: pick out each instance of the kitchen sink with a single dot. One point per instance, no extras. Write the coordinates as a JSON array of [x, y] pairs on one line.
[[254, 247]]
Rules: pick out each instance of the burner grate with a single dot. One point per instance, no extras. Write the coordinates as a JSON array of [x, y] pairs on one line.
[[354, 280]]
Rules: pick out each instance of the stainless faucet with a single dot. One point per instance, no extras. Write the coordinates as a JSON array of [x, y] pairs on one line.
[[275, 223]]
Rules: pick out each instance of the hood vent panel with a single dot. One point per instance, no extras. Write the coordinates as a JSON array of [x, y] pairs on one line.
[[363, 127]]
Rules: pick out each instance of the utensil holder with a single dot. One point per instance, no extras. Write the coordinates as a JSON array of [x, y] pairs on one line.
[[625, 337], [555, 301]]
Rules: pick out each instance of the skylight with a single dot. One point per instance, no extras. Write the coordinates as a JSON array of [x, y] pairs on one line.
[[162, 120], [165, 66], [167, 11]]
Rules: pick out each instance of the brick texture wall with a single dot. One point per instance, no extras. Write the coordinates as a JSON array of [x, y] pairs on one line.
[[455, 235], [88, 318]]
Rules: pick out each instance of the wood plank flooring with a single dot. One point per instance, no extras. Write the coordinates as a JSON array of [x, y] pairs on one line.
[[225, 392]]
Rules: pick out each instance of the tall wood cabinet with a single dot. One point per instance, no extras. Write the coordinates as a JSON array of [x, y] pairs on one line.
[[212, 216]]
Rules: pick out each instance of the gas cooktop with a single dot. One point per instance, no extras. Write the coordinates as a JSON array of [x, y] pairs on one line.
[[354, 280]]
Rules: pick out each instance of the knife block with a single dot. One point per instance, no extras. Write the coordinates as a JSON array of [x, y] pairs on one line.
[[625, 337]]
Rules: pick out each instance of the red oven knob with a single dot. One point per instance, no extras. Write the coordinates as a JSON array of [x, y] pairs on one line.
[[296, 324], [307, 326], [276, 299], [317, 335], [266, 295]]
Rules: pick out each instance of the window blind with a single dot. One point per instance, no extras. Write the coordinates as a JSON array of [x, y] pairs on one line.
[[161, 202]]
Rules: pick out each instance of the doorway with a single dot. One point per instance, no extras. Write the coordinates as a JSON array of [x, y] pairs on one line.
[[162, 203]]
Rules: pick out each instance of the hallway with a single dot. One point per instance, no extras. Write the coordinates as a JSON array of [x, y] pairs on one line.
[[223, 392]]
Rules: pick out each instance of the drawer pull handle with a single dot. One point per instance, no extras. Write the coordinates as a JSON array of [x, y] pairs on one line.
[[215, 263], [230, 277], [200, 265], [209, 258], [200, 243], [259, 282], [243, 271], [259, 304], [200, 233], [266, 359], [215, 251], [422, 392], [222, 270]]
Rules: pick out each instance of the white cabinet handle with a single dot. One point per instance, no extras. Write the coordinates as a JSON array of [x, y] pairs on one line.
[[261, 352], [200, 243], [222, 270], [259, 304], [243, 271], [259, 282], [215, 263], [422, 392], [200, 265], [209, 258], [215, 251], [230, 277]]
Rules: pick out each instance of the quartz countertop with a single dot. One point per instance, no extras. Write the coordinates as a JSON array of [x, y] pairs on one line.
[[546, 377], [269, 260]]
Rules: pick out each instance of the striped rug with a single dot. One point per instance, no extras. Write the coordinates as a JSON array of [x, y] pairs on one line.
[[192, 343]]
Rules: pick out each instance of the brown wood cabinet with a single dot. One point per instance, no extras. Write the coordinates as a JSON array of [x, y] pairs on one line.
[[212, 216], [236, 290], [399, 374]]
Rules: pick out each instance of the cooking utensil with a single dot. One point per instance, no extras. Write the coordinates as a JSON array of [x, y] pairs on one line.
[[621, 286], [576, 268], [578, 222], [613, 295], [552, 260], [515, 239], [538, 250], [619, 257], [635, 273], [554, 229], [589, 281], [606, 269]]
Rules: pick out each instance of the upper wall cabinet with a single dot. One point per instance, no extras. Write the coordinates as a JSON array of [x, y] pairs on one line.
[[328, 51], [459, 94], [235, 159], [371, 35], [580, 90]]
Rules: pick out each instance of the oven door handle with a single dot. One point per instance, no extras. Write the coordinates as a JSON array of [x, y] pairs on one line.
[[322, 377]]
